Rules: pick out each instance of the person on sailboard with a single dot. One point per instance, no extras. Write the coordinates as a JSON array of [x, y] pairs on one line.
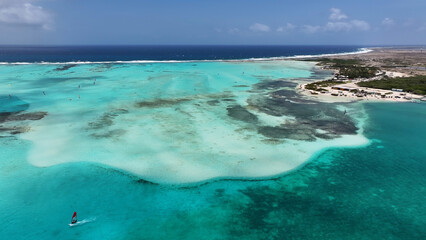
[[74, 218]]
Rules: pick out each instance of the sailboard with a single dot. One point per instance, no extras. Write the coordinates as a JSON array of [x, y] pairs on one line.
[[74, 221]]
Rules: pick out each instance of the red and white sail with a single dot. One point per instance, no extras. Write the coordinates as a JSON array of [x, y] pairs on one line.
[[74, 218]]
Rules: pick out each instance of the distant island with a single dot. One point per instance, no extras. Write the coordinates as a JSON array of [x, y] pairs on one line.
[[390, 74]]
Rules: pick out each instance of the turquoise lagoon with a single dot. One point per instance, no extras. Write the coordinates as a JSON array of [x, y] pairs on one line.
[[198, 150]]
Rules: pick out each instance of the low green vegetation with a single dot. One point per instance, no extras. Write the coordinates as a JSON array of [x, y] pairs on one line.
[[318, 86], [339, 62], [358, 71], [416, 84], [351, 68]]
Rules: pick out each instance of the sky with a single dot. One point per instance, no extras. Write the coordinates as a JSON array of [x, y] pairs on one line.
[[220, 22]]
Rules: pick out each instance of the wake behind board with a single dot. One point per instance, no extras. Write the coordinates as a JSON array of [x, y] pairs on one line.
[[82, 222], [77, 223]]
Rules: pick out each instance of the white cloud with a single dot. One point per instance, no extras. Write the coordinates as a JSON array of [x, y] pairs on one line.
[[288, 27], [24, 12], [311, 29], [388, 22], [338, 26], [337, 14], [339, 22], [360, 25], [258, 27]]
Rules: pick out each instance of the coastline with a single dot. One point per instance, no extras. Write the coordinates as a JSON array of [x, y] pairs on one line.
[[371, 94], [370, 56], [348, 90]]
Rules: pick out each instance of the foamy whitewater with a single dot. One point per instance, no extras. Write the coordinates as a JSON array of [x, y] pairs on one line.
[[176, 122]]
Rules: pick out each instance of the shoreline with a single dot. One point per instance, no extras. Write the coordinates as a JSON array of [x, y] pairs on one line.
[[348, 90], [372, 94]]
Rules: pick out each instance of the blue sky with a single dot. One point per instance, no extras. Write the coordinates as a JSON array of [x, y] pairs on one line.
[[65, 22]]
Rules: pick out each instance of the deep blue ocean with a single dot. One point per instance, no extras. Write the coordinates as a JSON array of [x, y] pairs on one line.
[[158, 53]]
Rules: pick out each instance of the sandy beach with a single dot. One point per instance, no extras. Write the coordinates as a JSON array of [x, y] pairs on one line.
[[371, 94]]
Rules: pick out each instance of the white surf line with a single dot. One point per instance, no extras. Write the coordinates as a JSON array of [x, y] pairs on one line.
[[360, 51]]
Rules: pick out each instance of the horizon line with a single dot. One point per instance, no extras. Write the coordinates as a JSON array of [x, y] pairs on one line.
[[206, 45]]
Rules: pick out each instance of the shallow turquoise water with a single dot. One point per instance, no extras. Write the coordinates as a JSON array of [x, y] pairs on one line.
[[368, 192], [167, 122]]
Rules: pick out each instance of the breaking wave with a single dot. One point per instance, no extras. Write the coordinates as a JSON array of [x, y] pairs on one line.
[[359, 51]]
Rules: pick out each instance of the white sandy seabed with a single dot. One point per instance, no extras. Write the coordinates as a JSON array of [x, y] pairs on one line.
[[156, 154]]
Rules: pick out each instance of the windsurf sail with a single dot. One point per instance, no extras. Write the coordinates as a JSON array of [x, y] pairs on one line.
[[74, 218]]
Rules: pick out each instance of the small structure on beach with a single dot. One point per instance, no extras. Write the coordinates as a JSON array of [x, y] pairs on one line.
[[343, 88]]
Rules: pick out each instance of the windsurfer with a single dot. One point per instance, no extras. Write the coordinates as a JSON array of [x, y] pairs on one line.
[[74, 218]]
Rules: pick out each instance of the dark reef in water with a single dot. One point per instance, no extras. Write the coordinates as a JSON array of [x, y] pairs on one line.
[[213, 102], [101, 125], [65, 67], [109, 134], [309, 119], [136, 179], [143, 181], [106, 120], [6, 117], [274, 84], [104, 67], [13, 130], [10, 116], [309, 116], [237, 112], [290, 133], [161, 103], [12, 109]]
